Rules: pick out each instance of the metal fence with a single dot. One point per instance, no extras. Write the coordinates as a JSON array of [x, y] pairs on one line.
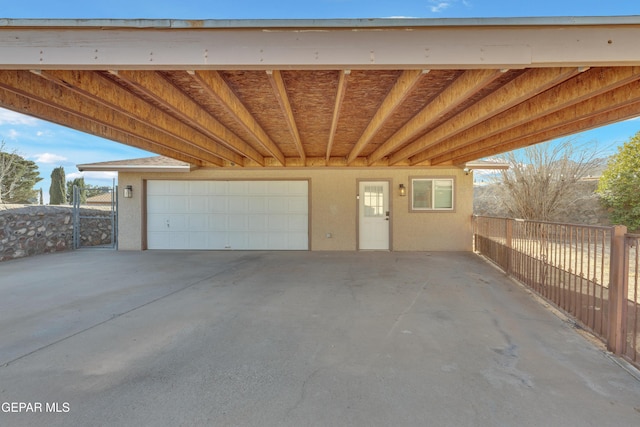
[[631, 340], [589, 272], [82, 224]]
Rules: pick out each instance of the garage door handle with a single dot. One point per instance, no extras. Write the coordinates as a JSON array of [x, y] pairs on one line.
[[168, 225]]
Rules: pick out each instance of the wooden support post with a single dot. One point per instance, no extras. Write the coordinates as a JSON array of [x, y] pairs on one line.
[[617, 291]]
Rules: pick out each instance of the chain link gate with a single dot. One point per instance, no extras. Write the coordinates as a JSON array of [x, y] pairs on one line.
[[87, 220]]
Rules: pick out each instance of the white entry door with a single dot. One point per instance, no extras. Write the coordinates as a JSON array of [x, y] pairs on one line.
[[374, 217]]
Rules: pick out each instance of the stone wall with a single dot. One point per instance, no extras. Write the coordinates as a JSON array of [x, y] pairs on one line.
[[34, 229]]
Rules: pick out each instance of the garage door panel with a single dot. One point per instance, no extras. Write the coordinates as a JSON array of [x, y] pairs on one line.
[[257, 205], [198, 222], [158, 239], [217, 239], [157, 222], [259, 241], [178, 204], [218, 204], [238, 223], [258, 188], [197, 240], [177, 223], [278, 188], [263, 215], [158, 203], [219, 188], [278, 222], [298, 205], [238, 188], [198, 204], [238, 240], [217, 222], [278, 205], [298, 188], [257, 223], [298, 223], [199, 188], [237, 204], [177, 188]]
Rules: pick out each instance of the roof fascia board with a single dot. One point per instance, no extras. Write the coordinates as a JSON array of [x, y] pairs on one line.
[[320, 23], [131, 168], [124, 44]]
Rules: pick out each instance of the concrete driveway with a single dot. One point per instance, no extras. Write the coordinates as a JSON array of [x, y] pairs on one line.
[[293, 339]]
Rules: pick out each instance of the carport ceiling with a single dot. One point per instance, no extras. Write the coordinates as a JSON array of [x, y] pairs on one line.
[[324, 93]]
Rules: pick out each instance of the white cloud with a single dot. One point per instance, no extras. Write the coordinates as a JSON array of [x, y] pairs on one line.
[[49, 158], [8, 117], [439, 6], [12, 134]]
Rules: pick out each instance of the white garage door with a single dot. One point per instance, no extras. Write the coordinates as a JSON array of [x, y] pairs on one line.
[[261, 215]]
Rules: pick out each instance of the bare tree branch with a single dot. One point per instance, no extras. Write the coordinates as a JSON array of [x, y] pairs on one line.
[[542, 180]]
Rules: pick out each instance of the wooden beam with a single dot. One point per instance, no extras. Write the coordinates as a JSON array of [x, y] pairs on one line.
[[275, 78], [67, 101], [465, 86], [337, 108], [398, 93], [113, 96], [156, 87], [585, 85], [215, 86], [627, 112], [188, 45], [532, 82], [577, 117], [33, 108]]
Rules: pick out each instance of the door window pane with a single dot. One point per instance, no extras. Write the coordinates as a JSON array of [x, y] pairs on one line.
[[373, 200]]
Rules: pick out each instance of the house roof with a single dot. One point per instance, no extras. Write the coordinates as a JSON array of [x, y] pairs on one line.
[[145, 164], [316, 93], [103, 198]]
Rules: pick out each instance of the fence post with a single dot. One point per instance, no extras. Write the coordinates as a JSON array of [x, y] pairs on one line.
[[508, 238], [617, 291]]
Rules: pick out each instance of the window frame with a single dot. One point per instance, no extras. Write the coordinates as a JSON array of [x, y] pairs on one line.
[[414, 209]]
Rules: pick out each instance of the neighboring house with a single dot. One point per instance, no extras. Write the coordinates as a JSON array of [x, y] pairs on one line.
[[104, 199], [316, 135]]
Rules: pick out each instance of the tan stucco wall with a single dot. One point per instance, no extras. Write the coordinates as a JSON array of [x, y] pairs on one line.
[[333, 206]]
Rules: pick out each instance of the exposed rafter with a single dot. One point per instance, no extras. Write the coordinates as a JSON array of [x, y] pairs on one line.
[[92, 85], [27, 105], [343, 81], [530, 83], [215, 86], [469, 83], [182, 106], [66, 100], [275, 78], [398, 93], [591, 108], [611, 116], [584, 86]]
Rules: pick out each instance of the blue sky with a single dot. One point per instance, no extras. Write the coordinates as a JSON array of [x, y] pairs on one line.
[[51, 146]]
